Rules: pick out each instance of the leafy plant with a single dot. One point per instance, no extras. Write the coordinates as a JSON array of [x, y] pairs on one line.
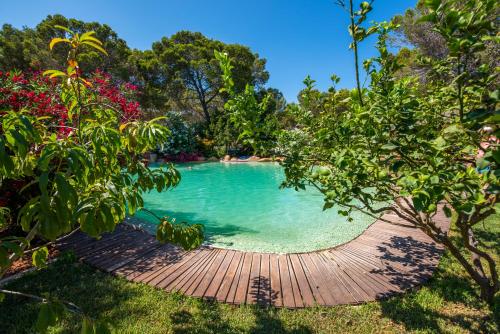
[[182, 137], [80, 167], [253, 121], [358, 33], [411, 149]]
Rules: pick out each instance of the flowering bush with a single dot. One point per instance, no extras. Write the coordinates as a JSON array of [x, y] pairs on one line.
[[122, 96], [40, 95], [33, 92]]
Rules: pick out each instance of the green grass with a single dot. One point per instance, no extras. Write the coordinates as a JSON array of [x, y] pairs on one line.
[[446, 304]]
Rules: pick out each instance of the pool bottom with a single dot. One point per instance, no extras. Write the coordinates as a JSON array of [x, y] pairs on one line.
[[245, 244], [243, 207]]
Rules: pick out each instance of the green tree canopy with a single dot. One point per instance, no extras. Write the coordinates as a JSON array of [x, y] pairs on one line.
[[190, 75], [26, 48]]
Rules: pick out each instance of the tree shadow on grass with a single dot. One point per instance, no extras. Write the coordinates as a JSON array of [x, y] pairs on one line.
[[204, 318], [267, 318], [427, 309], [412, 312]]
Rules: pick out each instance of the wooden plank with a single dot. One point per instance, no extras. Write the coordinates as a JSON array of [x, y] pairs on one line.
[[336, 282], [91, 244], [264, 295], [276, 295], [139, 254], [254, 282], [218, 278], [145, 263], [311, 279], [167, 277], [157, 276], [297, 296], [244, 279], [128, 253], [95, 246], [202, 272], [160, 262], [229, 277], [105, 250], [71, 241], [363, 284], [344, 278], [210, 273], [384, 260], [231, 295], [368, 270], [286, 283], [183, 281], [303, 283]]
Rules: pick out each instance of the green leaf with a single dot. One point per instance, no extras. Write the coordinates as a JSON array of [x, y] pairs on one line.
[[54, 73], [95, 46], [49, 314], [389, 147], [87, 326], [64, 28], [40, 257], [56, 40], [447, 211], [440, 143], [327, 205]]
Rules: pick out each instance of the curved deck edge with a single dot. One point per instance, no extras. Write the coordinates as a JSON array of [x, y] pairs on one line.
[[384, 260]]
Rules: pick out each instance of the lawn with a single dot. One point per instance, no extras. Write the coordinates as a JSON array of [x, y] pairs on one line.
[[447, 303]]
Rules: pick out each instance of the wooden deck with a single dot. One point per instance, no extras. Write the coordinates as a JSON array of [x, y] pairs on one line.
[[384, 260]]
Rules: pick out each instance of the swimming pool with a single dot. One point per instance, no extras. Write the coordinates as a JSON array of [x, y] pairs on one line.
[[243, 208]]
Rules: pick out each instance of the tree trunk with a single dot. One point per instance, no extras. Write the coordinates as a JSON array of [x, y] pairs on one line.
[[488, 285], [356, 57], [206, 113]]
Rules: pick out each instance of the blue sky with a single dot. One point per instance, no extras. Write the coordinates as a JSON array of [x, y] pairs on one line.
[[297, 37]]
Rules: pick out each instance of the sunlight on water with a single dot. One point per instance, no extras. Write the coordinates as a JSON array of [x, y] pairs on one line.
[[243, 208]]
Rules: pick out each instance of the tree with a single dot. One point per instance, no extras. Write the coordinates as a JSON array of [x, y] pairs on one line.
[[411, 152], [74, 150], [424, 37], [253, 119], [12, 55], [190, 71], [27, 48]]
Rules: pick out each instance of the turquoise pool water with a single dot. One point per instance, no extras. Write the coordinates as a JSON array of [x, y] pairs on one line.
[[243, 208]]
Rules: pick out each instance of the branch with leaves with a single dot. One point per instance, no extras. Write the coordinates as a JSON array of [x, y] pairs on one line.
[[89, 177]]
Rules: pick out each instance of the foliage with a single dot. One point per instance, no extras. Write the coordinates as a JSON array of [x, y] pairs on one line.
[[410, 150], [26, 49], [189, 72], [179, 73], [182, 137], [251, 118], [428, 42], [358, 33], [74, 149]]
